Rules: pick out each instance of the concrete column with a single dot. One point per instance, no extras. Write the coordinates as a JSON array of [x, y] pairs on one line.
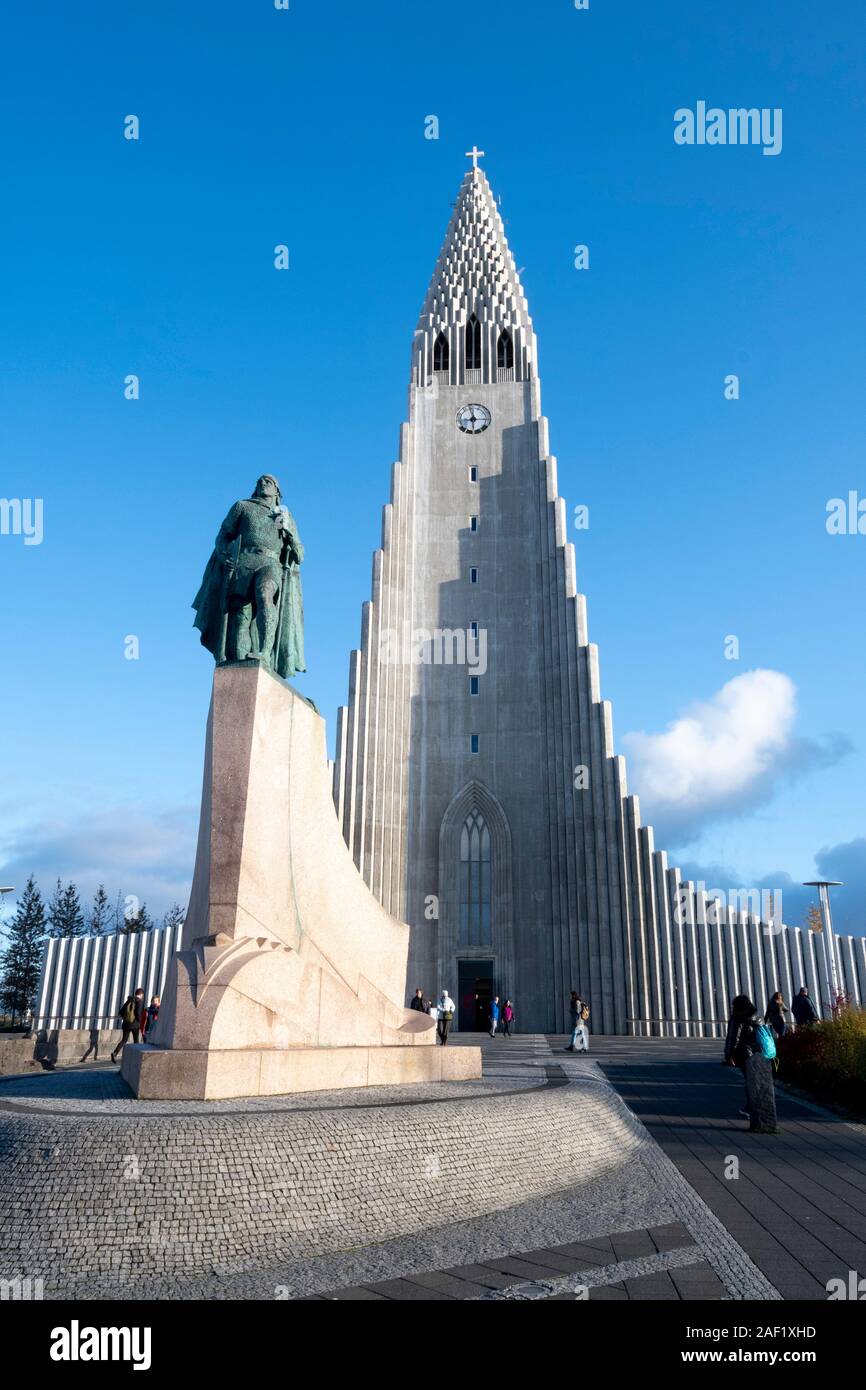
[[747, 982], [678, 931]]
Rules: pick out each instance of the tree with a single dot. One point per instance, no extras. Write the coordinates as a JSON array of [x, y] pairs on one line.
[[175, 917], [73, 917], [100, 913], [814, 919], [118, 916], [64, 911], [55, 911], [22, 959], [138, 921]]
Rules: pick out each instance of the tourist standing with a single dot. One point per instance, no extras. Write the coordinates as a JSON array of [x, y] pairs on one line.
[[507, 1019], [131, 1011], [149, 1017], [446, 1014], [494, 1015], [418, 1002], [579, 1009], [803, 1009], [778, 1014], [749, 1045]]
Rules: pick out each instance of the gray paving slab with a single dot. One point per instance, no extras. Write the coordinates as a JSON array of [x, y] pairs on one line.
[[797, 1206]]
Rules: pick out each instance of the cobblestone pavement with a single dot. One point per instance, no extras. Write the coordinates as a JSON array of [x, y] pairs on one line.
[[538, 1157], [797, 1206]]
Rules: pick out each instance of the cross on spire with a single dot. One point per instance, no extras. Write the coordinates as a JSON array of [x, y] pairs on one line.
[[475, 154]]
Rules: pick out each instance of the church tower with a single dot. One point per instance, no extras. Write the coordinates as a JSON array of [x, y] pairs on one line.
[[475, 777]]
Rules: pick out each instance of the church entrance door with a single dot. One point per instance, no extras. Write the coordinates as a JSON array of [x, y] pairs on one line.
[[474, 993]]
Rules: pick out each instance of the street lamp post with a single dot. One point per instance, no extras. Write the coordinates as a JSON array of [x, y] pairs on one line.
[[824, 885]]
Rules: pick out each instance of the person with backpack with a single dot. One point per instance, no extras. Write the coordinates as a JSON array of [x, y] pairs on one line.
[[446, 1009], [778, 1014], [131, 1011], [579, 1019], [494, 1015], [507, 1019], [750, 1045]]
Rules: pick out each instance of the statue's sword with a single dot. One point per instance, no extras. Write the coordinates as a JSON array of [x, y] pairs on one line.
[[287, 550]]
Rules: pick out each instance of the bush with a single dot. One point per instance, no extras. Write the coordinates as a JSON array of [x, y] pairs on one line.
[[828, 1059]]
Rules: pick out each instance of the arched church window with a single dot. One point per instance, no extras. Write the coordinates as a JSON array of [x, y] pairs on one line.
[[441, 354], [473, 343], [475, 927], [505, 350]]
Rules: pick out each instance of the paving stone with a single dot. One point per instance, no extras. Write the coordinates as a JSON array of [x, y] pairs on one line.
[[652, 1286], [484, 1276], [586, 1255], [448, 1284], [359, 1294], [671, 1237], [553, 1260], [628, 1245], [404, 1290]]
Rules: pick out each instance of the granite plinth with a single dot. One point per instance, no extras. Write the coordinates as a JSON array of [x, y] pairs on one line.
[[291, 976], [223, 1074]]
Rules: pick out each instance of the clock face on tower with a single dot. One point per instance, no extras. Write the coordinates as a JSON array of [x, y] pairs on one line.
[[472, 419]]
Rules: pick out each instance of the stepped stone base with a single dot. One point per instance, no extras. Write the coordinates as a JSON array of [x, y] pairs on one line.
[[290, 976], [156, 1074]]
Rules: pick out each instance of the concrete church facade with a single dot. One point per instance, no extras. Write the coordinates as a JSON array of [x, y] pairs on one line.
[[475, 778]]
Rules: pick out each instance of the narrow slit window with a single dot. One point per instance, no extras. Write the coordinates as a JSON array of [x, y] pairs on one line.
[[473, 575], [473, 523], [473, 628], [473, 743], [473, 685], [505, 350], [473, 343], [473, 474], [441, 354]]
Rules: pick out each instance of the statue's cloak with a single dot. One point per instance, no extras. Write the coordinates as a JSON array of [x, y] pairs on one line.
[[210, 601]]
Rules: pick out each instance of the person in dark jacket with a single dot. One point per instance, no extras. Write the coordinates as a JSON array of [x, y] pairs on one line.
[[418, 1002], [149, 1017], [778, 1014], [803, 1009], [743, 1049], [131, 1011]]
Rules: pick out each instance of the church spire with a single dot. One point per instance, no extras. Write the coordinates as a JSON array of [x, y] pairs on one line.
[[475, 325]]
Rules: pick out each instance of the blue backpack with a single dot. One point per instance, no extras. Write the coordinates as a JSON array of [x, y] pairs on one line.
[[764, 1041]]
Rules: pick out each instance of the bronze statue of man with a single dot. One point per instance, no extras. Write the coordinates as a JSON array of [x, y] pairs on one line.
[[250, 606]]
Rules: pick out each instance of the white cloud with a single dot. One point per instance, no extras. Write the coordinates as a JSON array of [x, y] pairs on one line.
[[724, 756], [126, 848]]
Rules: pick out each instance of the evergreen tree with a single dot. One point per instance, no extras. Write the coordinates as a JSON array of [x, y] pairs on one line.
[[73, 917], [55, 911], [119, 915], [100, 913], [138, 921], [175, 916], [64, 911], [22, 959]]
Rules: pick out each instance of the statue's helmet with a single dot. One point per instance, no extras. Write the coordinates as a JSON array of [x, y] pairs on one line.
[[267, 478]]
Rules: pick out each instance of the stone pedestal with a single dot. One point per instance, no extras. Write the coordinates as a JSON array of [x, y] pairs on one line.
[[291, 976]]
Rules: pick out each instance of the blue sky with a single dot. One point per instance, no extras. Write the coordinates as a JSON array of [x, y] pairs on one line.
[[306, 127]]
